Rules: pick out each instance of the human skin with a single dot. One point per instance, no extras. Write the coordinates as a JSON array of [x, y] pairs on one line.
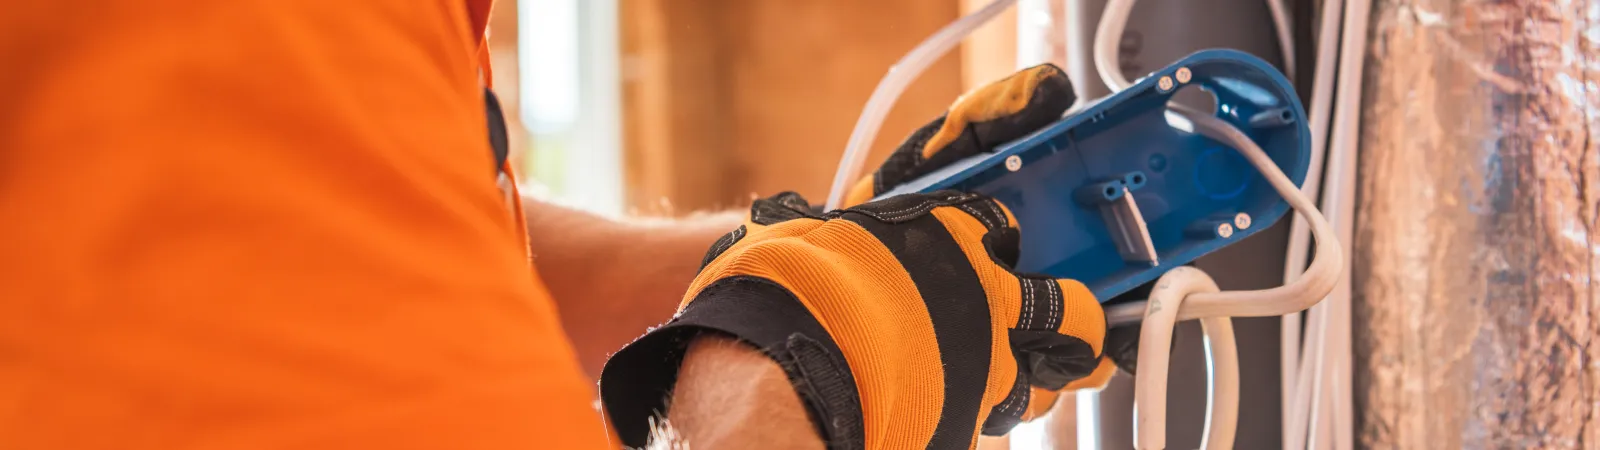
[[612, 279], [729, 395]]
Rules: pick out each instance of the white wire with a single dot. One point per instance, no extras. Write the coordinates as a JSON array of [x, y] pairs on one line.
[[1292, 297], [1280, 23], [1339, 200], [1196, 302], [894, 83], [1295, 296], [1299, 233], [1222, 357], [1106, 36], [1150, 383], [1308, 378]]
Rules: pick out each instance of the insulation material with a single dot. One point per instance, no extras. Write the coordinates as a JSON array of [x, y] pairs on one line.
[[1476, 250]]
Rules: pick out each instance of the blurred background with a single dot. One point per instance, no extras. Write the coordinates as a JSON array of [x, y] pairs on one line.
[[656, 107]]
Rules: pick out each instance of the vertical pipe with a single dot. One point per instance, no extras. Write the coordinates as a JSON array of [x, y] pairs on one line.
[[1476, 253]]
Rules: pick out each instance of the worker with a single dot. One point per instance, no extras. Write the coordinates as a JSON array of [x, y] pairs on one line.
[[277, 224]]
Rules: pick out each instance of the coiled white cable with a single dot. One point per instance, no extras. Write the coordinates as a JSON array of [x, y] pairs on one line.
[[1198, 302], [1155, 337]]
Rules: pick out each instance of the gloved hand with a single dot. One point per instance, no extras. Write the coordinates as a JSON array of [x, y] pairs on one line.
[[984, 118], [900, 321], [991, 115]]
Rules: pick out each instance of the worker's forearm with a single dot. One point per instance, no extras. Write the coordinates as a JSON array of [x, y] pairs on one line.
[[611, 279], [729, 395]]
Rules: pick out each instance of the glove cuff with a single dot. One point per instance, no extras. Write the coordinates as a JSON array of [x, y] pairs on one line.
[[638, 379]]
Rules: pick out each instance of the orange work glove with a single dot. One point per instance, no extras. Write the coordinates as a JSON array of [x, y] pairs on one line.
[[991, 115], [899, 321]]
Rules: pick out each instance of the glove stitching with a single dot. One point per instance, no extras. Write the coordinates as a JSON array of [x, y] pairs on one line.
[[1055, 305], [1011, 398], [918, 208], [971, 211], [995, 206], [1027, 304], [738, 233], [898, 214], [1021, 393]]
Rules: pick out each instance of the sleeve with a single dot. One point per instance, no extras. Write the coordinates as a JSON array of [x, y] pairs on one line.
[[264, 224]]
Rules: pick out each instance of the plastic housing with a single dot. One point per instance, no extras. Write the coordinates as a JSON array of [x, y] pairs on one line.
[[1184, 185]]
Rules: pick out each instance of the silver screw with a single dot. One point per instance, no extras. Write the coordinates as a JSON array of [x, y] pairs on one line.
[[1225, 230], [1013, 163], [1241, 221], [1184, 75], [1165, 83]]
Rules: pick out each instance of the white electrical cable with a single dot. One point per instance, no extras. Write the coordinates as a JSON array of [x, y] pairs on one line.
[[900, 75], [1299, 232], [1106, 36], [1280, 23], [1155, 337], [1193, 300], [1333, 332], [1222, 357], [1292, 297], [1150, 389]]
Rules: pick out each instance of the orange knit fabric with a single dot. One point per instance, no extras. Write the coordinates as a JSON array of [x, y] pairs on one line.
[[861, 294], [264, 224], [857, 290]]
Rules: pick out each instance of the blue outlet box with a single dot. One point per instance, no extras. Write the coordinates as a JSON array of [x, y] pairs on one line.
[[1121, 191]]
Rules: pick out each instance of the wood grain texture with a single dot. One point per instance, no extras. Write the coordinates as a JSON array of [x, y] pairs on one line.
[[675, 105], [802, 71], [725, 99], [1476, 251]]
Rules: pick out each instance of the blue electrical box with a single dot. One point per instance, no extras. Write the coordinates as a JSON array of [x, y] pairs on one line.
[[1121, 191]]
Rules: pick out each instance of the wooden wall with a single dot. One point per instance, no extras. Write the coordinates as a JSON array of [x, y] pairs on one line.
[[726, 99], [1476, 308]]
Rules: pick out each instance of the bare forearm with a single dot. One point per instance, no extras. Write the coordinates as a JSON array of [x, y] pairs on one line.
[[729, 395], [611, 279]]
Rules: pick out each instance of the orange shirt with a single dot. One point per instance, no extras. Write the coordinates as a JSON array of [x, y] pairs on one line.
[[264, 224]]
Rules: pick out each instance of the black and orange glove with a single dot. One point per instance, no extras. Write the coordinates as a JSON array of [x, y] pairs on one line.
[[997, 113], [899, 322], [984, 118]]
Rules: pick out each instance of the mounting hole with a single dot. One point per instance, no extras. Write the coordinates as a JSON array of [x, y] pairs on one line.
[[1195, 97], [1138, 178], [1287, 116], [1110, 191], [1158, 162]]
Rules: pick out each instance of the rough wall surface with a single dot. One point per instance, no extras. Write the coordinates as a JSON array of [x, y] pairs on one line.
[[1476, 248]]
